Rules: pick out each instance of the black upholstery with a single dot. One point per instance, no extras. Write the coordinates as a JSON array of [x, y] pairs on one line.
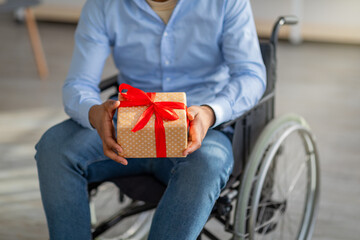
[[269, 58], [142, 187], [248, 127]]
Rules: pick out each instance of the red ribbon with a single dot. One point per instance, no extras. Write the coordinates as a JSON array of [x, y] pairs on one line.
[[162, 110]]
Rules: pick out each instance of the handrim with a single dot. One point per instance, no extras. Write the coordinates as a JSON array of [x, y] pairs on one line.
[[281, 124]]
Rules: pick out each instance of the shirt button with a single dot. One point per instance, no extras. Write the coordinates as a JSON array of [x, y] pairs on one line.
[[167, 62], [165, 34], [168, 79]]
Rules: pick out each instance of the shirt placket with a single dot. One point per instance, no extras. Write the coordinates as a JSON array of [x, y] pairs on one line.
[[166, 56], [166, 45], [167, 51]]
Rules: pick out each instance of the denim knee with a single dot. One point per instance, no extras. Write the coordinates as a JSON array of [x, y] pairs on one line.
[[68, 146], [48, 147], [213, 162], [51, 148]]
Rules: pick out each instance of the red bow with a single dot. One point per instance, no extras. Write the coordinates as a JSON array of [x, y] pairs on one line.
[[163, 110]]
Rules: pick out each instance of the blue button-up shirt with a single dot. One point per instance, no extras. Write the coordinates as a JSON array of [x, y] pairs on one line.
[[209, 49]]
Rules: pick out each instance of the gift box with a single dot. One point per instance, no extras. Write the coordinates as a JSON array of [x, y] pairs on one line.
[[151, 125]]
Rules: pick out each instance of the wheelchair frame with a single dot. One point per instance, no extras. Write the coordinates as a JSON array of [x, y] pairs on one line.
[[247, 130]]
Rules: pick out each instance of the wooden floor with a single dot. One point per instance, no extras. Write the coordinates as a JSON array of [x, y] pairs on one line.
[[318, 81]]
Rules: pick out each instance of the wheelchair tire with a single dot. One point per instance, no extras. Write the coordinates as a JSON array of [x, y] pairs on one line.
[[265, 209], [105, 205]]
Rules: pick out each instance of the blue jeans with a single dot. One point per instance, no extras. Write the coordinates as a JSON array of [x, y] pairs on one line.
[[70, 156]]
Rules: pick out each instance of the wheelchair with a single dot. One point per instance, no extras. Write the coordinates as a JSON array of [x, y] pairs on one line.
[[272, 193]]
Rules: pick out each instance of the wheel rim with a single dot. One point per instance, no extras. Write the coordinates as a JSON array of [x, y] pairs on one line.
[[250, 175], [268, 222]]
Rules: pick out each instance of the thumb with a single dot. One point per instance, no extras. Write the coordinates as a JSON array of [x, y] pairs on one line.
[[191, 113], [112, 105]]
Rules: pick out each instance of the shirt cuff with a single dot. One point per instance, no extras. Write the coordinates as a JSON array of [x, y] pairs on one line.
[[222, 110], [84, 109]]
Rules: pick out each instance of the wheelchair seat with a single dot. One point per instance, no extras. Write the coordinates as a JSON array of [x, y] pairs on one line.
[[145, 187]]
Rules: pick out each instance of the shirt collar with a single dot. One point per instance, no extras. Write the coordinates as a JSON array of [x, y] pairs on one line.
[[145, 6]]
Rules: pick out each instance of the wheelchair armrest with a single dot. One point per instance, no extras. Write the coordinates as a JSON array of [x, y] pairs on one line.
[[231, 122], [108, 83]]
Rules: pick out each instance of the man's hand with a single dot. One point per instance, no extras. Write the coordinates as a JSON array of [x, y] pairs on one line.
[[100, 117], [201, 118]]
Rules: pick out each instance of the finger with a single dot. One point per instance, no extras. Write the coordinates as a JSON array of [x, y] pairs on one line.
[[186, 151], [193, 146], [195, 140], [191, 113], [108, 134], [114, 156], [111, 149], [110, 143]]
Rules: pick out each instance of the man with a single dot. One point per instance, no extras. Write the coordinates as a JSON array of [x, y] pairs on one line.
[[206, 48]]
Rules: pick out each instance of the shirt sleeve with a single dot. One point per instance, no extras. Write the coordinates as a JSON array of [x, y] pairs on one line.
[[241, 52], [92, 47]]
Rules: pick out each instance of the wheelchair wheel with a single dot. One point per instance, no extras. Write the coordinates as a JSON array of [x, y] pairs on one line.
[[106, 203], [279, 191]]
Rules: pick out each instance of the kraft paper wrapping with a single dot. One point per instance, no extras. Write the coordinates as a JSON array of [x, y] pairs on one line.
[[141, 144]]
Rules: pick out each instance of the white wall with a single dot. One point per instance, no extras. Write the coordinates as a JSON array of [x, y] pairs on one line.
[[328, 20]]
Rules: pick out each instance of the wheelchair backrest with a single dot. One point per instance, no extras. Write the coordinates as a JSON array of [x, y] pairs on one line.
[[269, 57], [250, 125]]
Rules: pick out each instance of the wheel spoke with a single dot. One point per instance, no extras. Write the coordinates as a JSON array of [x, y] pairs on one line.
[[282, 227], [289, 153], [284, 178], [265, 204], [296, 179], [281, 192], [271, 220], [262, 211], [289, 224]]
